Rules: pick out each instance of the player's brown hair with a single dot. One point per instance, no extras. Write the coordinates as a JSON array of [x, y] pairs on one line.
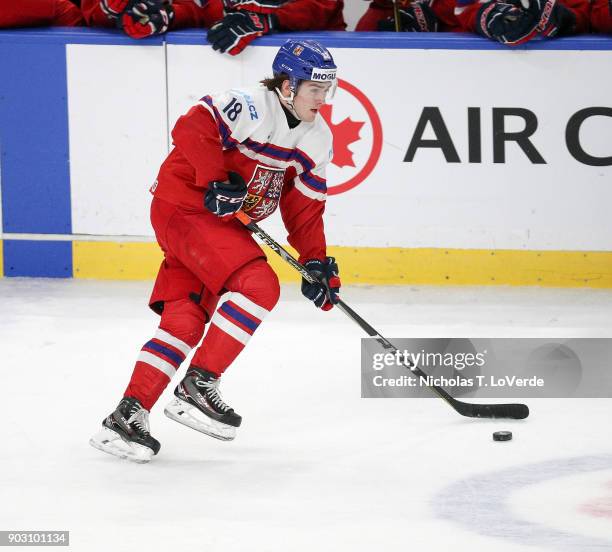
[[274, 82]]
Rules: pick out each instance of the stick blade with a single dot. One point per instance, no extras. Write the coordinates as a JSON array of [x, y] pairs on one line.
[[513, 411]]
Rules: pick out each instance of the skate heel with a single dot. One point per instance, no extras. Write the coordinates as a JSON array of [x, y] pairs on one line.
[[185, 413], [110, 441]]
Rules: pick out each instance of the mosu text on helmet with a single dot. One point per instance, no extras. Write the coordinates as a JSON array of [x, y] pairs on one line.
[[323, 75]]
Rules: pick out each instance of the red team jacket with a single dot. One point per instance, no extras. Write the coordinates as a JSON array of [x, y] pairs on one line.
[[304, 15], [36, 13], [601, 16], [186, 14], [467, 12], [297, 15], [383, 9], [246, 131]]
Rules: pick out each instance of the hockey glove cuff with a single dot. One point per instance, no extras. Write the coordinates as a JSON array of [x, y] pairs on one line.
[[225, 198], [557, 20], [238, 29], [325, 293]]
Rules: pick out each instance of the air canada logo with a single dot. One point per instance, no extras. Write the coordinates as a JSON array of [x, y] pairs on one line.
[[357, 133]]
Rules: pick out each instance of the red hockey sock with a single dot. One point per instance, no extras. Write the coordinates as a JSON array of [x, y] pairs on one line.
[[255, 292], [181, 328]]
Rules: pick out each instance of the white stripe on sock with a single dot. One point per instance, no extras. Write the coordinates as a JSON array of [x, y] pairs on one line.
[[230, 328], [171, 340], [158, 363], [248, 305]]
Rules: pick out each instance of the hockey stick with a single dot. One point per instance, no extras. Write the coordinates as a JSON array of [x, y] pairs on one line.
[[396, 16], [471, 410]]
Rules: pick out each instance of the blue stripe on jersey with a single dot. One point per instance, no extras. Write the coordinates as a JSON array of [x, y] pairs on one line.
[[224, 130], [270, 150], [304, 160], [283, 154], [314, 182]]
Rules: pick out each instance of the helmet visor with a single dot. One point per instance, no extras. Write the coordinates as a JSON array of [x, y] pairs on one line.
[[321, 85], [318, 91]]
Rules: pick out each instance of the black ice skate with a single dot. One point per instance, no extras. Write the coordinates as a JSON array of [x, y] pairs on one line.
[[125, 433], [198, 405]]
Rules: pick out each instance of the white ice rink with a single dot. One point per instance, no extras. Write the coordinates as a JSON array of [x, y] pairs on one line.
[[314, 466]]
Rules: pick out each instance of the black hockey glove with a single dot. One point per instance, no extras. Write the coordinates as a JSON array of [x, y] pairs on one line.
[[506, 21], [144, 18], [225, 198], [554, 19], [515, 22], [324, 294], [258, 6], [418, 17], [236, 30]]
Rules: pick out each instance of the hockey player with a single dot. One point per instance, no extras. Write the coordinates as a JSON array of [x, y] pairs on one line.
[[33, 13], [245, 20], [142, 18], [416, 16], [249, 150], [515, 22]]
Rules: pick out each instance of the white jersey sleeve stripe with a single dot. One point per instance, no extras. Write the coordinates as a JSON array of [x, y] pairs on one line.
[[308, 192]]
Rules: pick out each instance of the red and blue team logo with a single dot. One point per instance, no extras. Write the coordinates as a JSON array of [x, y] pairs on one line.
[[264, 190], [358, 138]]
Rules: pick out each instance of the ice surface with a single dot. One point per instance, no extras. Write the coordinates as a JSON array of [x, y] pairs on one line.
[[314, 466]]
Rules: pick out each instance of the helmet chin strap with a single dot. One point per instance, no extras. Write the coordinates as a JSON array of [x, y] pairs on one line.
[[289, 102]]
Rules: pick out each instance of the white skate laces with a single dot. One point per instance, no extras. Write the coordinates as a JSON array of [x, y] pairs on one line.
[[212, 392], [140, 418]]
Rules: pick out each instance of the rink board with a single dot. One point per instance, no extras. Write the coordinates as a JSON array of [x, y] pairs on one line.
[[385, 266], [422, 189]]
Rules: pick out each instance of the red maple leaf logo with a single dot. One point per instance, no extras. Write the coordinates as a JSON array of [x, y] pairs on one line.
[[345, 133]]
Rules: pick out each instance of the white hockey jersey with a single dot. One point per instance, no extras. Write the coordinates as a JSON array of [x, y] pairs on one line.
[[246, 131]]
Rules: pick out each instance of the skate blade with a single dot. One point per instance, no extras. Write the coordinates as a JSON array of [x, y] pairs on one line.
[[110, 441], [188, 415]]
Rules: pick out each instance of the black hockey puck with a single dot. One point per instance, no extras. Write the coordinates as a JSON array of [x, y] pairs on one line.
[[502, 436]]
